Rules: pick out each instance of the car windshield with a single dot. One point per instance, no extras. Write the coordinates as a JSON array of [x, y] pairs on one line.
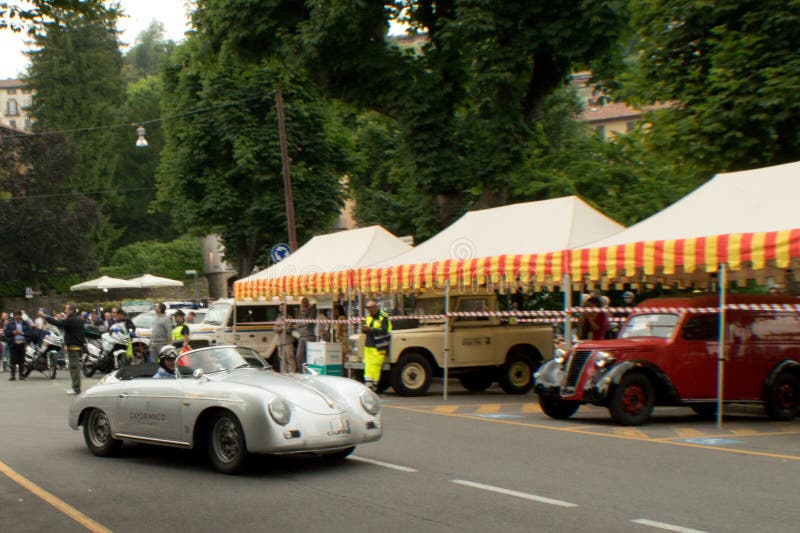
[[649, 325], [217, 314], [219, 359], [144, 320]]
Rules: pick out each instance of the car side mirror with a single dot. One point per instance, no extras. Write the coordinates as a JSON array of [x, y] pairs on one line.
[[308, 370], [197, 374]]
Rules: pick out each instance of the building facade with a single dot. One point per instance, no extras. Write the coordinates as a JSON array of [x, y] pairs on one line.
[[15, 102]]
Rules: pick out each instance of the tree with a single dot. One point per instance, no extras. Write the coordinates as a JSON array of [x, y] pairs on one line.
[[43, 220], [220, 169], [166, 259], [148, 54], [79, 89], [731, 68]]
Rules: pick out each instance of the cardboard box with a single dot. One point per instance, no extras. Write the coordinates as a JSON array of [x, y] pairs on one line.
[[325, 357]]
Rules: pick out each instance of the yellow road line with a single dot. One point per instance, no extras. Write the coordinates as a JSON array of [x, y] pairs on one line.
[[630, 432], [738, 433], [446, 409], [598, 434], [688, 433], [53, 500], [531, 408], [487, 409]]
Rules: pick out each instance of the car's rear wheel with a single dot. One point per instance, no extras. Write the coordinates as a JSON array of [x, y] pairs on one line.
[[411, 375], [476, 381], [97, 434], [556, 407], [782, 397], [226, 444], [516, 375], [633, 400]]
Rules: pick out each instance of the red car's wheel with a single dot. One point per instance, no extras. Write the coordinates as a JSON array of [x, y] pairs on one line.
[[633, 400]]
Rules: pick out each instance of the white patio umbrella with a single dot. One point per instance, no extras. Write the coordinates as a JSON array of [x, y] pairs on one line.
[[104, 283], [149, 281]]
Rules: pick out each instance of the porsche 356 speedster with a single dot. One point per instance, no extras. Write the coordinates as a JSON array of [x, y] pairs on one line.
[[228, 400]]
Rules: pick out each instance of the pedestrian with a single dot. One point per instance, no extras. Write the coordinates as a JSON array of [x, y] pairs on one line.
[[378, 330], [190, 317], [306, 330], [16, 333], [159, 332], [594, 323], [340, 330], [74, 339], [180, 333], [5, 352], [283, 330]]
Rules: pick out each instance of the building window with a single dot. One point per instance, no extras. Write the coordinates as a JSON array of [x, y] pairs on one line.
[[12, 123], [11, 91], [27, 124], [601, 131], [12, 109], [26, 91]]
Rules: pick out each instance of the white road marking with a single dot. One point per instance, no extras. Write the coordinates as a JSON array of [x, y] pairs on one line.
[[381, 463], [663, 525], [515, 493]]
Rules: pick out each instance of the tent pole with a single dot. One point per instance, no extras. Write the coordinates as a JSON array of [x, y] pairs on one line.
[[446, 335], [721, 359], [566, 283]]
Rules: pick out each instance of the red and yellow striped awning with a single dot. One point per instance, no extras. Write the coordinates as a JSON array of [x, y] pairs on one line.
[[752, 252]]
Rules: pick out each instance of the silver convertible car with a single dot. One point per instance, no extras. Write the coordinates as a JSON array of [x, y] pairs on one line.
[[228, 400]]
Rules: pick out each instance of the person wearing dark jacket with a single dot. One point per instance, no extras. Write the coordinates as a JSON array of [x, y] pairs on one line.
[[74, 339], [17, 332]]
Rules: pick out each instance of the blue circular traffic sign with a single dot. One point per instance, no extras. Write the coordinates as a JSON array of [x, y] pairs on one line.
[[280, 252]]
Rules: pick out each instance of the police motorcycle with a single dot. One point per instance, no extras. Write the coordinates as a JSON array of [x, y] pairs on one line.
[[43, 353], [110, 354]]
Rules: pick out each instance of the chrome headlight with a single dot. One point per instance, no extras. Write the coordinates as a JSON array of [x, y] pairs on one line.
[[603, 359], [559, 356], [280, 411], [370, 402]]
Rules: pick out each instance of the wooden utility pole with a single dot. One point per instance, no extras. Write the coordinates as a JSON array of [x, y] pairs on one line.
[[287, 177]]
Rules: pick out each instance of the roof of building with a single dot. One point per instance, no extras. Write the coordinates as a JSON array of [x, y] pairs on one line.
[[12, 84]]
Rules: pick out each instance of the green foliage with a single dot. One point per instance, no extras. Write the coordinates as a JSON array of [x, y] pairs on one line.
[[166, 259], [76, 75], [732, 68], [44, 223], [148, 54], [221, 168]]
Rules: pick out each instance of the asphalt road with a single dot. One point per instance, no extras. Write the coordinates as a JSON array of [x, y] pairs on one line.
[[476, 462]]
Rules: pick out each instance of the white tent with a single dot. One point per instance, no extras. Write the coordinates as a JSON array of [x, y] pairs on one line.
[[763, 199], [344, 250], [531, 227], [149, 281], [104, 283]]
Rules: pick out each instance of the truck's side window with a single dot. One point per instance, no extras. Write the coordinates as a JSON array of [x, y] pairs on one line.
[[246, 314], [701, 328], [472, 305]]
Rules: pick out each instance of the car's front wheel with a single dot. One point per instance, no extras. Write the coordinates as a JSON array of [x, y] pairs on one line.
[[411, 375], [633, 400], [226, 444], [97, 434], [556, 407], [52, 361]]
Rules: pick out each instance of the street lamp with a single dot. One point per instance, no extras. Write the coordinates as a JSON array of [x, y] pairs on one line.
[[193, 273], [141, 142]]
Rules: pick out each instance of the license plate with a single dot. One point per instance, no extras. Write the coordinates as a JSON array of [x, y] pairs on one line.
[[340, 426]]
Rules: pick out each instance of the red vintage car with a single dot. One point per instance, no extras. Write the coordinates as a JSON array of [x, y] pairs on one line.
[[665, 355]]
